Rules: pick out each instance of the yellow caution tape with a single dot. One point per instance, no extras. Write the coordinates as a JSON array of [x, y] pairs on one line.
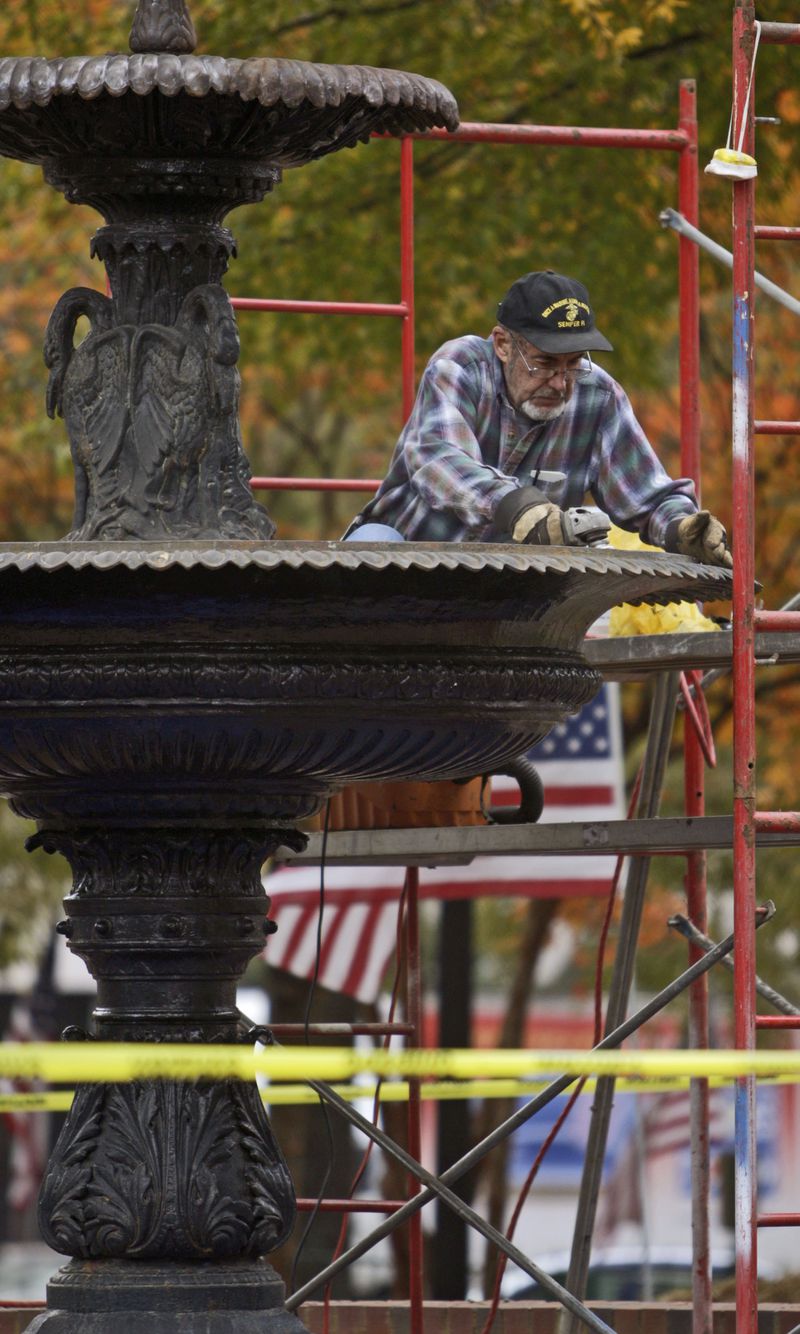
[[36, 1102], [398, 1091], [463, 1090], [467, 1089], [96, 1062], [279, 1095]]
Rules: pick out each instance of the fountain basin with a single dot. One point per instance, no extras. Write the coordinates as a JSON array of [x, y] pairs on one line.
[[168, 712], [288, 112], [246, 681]]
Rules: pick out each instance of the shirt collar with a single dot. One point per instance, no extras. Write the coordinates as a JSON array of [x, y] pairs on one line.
[[500, 389]]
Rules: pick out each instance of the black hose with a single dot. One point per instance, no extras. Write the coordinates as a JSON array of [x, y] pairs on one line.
[[531, 793]]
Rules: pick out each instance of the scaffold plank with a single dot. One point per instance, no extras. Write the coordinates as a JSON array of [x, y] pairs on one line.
[[459, 846], [631, 658]]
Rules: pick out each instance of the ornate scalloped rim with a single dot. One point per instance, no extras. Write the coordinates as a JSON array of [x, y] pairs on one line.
[[348, 555], [35, 80]]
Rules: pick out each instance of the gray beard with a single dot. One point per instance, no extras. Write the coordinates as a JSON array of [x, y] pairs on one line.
[[536, 412]]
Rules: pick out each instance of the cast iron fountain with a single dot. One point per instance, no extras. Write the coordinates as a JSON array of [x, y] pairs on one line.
[[178, 689]]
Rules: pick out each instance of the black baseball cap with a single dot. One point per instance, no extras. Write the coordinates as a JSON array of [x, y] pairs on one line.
[[553, 312]]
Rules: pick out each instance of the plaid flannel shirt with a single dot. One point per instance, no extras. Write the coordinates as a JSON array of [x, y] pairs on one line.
[[464, 447]]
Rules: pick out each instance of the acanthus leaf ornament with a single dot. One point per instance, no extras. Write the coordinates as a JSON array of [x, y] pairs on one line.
[[156, 1168], [163, 25]]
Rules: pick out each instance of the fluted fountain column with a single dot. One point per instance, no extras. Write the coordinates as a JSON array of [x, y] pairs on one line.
[[166, 1189]]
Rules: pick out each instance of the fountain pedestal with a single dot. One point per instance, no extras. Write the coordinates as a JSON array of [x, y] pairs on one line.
[[167, 1193]]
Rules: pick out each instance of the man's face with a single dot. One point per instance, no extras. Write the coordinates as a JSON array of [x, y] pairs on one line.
[[538, 383]]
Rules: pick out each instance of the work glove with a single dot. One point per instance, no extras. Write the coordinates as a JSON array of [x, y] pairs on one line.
[[702, 537], [541, 526], [526, 515]]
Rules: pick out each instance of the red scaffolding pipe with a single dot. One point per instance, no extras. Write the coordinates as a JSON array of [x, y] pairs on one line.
[[777, 822], [313, 484], [689, 286], [407, 274], [332, 1206], [403, 310], [693, 755], [559, 136], [318, 307], [781, 34], [414, 1017], [338, 1030], [776, 620], [776, 428], [744, 754], [777, 233]]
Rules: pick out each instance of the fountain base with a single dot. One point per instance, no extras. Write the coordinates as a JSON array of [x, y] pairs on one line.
[[126, 1297]]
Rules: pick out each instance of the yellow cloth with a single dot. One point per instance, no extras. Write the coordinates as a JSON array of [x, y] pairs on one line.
[[661, 619]]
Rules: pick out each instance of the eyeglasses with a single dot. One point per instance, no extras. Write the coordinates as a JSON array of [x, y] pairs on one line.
[[571, 373]]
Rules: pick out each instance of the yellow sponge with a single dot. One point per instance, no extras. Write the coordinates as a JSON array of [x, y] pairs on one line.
[[735, 165], [656, 620]]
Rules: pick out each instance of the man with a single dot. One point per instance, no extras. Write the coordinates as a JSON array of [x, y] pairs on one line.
[[492, 414]]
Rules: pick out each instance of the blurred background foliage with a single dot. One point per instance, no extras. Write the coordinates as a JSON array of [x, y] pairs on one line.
[[322, 396], [31, 887]]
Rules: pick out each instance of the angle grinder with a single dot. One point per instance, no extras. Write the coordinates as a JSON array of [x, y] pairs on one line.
[[583, 525]]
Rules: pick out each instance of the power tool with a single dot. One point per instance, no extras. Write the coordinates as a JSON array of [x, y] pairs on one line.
[[583, 525]]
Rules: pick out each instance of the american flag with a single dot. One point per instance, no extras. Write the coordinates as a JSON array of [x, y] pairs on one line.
[[667, 1121], [358, 932], [580, 764], [632, 1170]]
